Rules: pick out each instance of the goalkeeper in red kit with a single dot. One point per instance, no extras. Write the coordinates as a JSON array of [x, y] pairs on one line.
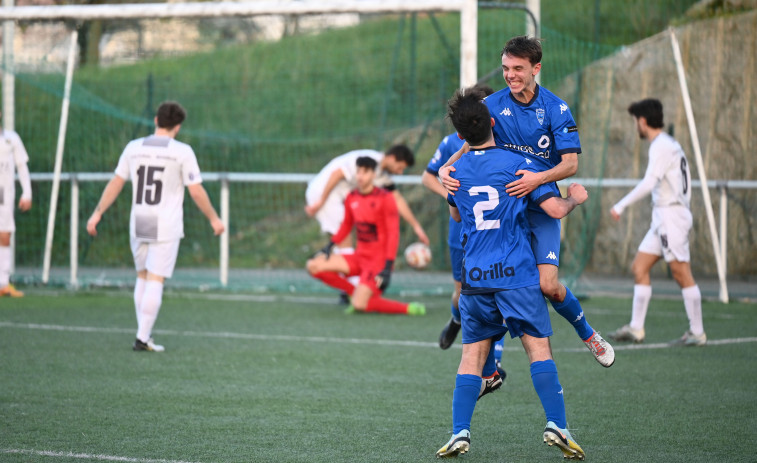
[[372, 211]]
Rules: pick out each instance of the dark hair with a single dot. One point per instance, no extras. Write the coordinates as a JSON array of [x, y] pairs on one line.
[[523, 47], [170, 114], [366, 162], [470, 116], [650, 109], [484, 88], [402, 153]]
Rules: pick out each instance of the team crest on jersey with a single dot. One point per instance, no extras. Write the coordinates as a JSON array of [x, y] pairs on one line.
[[540, 116]]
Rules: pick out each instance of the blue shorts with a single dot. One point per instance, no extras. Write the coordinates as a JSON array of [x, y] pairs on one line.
[[545, 237], [524, 311], [456, 259]]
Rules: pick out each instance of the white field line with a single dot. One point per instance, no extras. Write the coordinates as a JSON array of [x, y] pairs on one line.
[[86, 456], [324, 339]]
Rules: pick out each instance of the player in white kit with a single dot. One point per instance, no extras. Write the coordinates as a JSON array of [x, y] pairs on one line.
[[159, 168], [669, 180], [13, 158]]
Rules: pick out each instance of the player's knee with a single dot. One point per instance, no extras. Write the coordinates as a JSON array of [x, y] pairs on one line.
[[312, 266]]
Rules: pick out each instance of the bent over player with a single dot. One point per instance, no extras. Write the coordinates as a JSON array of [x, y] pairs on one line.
[[669, 180], [13, 157], [372, 211], [159, 168], [500, 278]]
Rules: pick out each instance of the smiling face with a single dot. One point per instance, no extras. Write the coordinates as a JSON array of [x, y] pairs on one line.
[[519, 73]]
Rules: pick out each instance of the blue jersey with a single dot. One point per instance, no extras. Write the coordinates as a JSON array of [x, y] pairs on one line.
[[495, 232], [543, 129], [450, 145]]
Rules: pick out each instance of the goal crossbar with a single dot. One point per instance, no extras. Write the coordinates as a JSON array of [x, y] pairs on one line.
[[221, 9]]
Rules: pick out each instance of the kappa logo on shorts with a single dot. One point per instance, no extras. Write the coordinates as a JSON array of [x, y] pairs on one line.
[[664, 240], [551, 255]]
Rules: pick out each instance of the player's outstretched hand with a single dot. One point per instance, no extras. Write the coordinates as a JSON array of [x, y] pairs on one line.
[[421, 233], [312, 209], [524, 185], [326, 251], [218, 226], [449, 183], [384, 276], [24, 204], [578, 193], [614, 214], [92, 223]]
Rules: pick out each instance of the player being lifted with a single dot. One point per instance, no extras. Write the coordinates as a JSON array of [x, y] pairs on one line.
[[372, 211], [533, 121], [159, 168], [500, 278]]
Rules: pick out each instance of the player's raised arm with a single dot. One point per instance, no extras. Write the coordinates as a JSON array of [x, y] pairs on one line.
[[450, 183]]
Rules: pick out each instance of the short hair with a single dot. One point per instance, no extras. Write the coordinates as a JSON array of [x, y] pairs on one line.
[[366, 162], [402, 153], [170, 114], [484, 88], [470, 116], [523, 46], [650, 109]]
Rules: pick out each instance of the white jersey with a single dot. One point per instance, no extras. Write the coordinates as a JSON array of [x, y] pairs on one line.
[[668, 164], [347, 164], [667, 176], [12, 154], [159, 169]]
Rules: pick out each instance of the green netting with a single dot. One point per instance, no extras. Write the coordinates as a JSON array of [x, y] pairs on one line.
[[290, 105]]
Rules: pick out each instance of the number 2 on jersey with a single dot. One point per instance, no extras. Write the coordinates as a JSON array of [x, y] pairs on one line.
[[149, 188], [483, 206]]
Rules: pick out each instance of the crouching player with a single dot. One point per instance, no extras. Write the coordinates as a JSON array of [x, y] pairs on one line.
[[500, 278], [373, 213]]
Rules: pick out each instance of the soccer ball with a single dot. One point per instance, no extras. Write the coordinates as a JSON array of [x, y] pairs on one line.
[[417, 255]]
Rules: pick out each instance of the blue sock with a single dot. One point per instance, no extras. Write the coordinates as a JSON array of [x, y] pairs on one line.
[[467, 388], [547, 385], [489, 366], [571, 310], [455, 312]]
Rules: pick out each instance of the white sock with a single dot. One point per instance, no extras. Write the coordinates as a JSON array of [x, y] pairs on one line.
[[139, 291], [149, 308], [692, 300], [641, 296], [5, 265]]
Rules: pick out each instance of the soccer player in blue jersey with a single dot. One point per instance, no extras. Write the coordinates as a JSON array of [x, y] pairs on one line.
[[449, 146], [532, 121], [500, 279]]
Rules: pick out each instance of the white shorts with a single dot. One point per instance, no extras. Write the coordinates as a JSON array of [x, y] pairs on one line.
[[7, 223], [157, 257], [668, 236], [331, 215]]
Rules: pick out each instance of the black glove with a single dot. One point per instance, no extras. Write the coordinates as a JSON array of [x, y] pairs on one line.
[[384, 276], [326, 251]]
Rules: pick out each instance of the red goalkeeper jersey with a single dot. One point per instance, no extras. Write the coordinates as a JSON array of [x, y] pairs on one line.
[[376, 221]]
